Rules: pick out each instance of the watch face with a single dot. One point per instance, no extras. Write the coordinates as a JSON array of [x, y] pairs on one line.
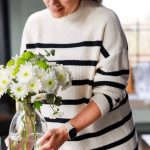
[[72, 133]]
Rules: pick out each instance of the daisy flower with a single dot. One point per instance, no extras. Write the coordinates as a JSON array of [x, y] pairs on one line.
[[4, 82], [3, 72], [19, 90], [50, 84], [34, 85], [63, 76], [40, 73], [26, 73]]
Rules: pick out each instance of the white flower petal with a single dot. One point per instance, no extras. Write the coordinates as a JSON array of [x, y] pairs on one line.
[[2, 91], [4, 82], [19, 90], [26, 73], [35, 85]]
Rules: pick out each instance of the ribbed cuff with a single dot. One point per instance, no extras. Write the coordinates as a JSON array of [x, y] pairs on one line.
[[102, 103]]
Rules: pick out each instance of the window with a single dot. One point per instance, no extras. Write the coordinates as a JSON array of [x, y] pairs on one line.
[[135, 18]]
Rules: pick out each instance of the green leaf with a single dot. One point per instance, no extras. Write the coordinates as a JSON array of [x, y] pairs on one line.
[[58, 101], [11, 62], [28, 55], [37, 104], [47, 53], [20, 61], [42, 64], [53, 52], [16, 70]]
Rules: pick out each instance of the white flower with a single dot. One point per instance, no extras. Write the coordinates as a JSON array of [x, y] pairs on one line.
[[19, 90], [63, 75], [4, 82], [40, 73], [9, 71], [25, 73], [34, 85], [38, 97], [2, 91], [50, 84], [3, 72]]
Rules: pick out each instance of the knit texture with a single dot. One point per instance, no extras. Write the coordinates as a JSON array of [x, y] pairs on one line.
[[91, 44]]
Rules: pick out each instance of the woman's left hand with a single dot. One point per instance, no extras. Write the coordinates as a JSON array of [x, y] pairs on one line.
[[54, 139]]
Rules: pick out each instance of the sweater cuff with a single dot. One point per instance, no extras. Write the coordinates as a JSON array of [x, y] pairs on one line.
[[102, 103]]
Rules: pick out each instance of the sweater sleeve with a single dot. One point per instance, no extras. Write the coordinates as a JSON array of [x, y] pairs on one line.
[[112, 72]]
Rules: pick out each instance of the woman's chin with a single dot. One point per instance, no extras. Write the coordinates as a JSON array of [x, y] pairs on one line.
[[57, 13]]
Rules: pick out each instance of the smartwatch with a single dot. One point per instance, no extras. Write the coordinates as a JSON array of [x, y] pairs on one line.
[[72, 132]]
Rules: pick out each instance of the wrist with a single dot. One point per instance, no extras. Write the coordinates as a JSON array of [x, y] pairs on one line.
[[64, 132], [71, 130]]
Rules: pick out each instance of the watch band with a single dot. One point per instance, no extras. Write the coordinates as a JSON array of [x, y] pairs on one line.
[[71, 130]]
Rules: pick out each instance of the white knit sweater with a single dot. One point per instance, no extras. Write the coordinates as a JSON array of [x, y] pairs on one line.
[[91, 43]]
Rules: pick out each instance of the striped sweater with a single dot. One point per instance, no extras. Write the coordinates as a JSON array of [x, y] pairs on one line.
[[91, 44]]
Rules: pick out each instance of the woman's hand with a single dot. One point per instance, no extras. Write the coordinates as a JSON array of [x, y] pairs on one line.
[[54, 139]]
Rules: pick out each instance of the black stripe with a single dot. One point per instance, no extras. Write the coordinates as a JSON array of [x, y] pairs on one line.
[[73, 102], [121, 103], [105, 130], [76, 62], [111, 104], [58, 120], [117, 143], [109, 83], [104, 52], [70, 45], [114, 73], [109, 101], [76, 101], [82, 82]]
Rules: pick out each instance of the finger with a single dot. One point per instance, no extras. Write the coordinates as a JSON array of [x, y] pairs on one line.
[[7, 141], [45, 137], [46, 146]]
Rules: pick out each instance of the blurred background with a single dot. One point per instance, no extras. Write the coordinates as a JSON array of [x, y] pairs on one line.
[[135, 19]]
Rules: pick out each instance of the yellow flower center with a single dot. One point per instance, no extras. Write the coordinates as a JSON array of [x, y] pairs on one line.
[[26, 74], [19, 89], [4, 82]]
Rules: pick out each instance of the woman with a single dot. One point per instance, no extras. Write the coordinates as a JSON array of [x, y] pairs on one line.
[[89, 40]]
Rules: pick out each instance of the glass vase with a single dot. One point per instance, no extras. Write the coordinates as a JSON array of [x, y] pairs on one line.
[[27, 126]]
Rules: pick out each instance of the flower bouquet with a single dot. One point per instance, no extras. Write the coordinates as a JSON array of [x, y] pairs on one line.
[[31, 80]]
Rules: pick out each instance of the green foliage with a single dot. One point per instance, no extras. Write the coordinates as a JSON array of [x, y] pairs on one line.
[[16, 70], [42, 64], [37, 104], [10, 63], [21, 61], [28, 55]]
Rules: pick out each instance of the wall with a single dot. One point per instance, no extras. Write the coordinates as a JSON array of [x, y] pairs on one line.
[[19, 12]]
